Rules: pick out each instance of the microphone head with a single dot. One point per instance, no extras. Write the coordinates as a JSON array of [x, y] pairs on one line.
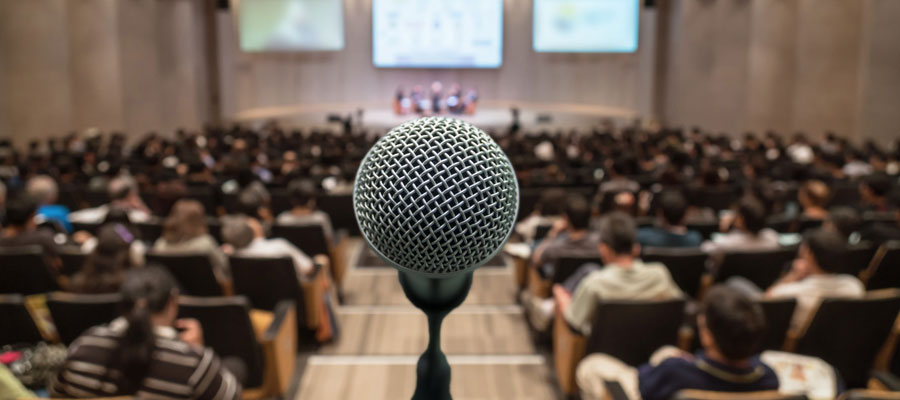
[[436, 196]]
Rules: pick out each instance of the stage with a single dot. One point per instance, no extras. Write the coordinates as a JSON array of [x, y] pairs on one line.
[[491, 115]]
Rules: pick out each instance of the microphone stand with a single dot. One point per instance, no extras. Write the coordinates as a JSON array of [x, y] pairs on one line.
[[436, 297]]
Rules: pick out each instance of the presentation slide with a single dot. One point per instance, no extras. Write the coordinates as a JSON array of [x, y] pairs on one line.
[[437, 33], [291, 25], [586, 26]]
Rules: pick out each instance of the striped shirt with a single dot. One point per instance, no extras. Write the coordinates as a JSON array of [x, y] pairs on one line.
[[177, 370]]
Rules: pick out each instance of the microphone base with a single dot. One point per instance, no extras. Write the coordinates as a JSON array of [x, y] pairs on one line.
[[436, 298]]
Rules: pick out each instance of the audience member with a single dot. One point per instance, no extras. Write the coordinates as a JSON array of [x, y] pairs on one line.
[[731, 328], [569, 236], [303, 211], [883, 231], [813, 197], [247, 238], [671, 231], [814, 275], [21, 230], [185, 231], [844, 221], [873, 192], [146, 352], [45, 191], [123, 193], [549, 209], [623, 276], [117, 251], [747, 230]]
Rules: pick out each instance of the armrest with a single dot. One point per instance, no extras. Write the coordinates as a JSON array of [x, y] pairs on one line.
[[277, 335], [227, 287], [538, 286], [339, 258], [614, 391], [521, 271], [885, 381], [313, 293], [568, 350]]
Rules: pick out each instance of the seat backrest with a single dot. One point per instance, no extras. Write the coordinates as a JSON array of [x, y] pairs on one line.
[[18, 327], [281, 201], [762, 267], [805, 224], [720, 198], [568, 265], [857, 258], [75, 313], [884, 271], [693, 394], [309, 238], [779, 313], [339, 208], [705, 228], [90, 227], [844, 194], [266, 281], [72, 260], [227, 329], [632, 330], [686, 265], [848, 333], [541, 231], [194, 272], [150, 231], [867, 394], [23, 270], [205, 196]]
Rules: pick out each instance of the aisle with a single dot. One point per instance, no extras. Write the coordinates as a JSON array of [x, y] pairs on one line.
[[486, 341]]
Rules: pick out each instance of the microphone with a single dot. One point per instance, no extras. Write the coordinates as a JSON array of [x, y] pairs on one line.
[[436, 198]]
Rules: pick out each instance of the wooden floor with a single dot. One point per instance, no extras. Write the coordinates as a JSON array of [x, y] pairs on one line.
[[486, 341]]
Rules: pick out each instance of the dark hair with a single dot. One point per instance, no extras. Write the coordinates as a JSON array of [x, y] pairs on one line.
[[617, 231], [186, 221], [578, 212], [551, 202], [673, 206], [845, 220], [878, 183], [753, 213], [736, 322], [145, 291], [249, 202], [106, 266], [20, 210], [828, 248], [301, 192]]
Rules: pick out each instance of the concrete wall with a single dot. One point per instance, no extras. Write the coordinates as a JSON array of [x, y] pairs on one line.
[[787, 65], [132, 65]]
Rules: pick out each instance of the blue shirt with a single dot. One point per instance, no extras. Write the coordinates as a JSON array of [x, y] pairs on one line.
[[657, 237], [57, 213], [674, 374]]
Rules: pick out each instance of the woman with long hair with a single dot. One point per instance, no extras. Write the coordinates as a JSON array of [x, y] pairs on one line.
[[185, 232], [142, 353]]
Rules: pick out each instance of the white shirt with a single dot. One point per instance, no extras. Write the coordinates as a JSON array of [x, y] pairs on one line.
[[810, 291], [96, 215], [767, 239], [262, 247]]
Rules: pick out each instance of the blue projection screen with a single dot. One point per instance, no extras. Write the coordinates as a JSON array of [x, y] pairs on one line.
[[437, 33], [290, 25], [586, 26]]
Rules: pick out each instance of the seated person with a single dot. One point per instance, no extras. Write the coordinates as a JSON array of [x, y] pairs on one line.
[[746, 230], [45, 191], [881, 232], [247, 238], [671, 231], [116, 251], [731, 328], [185, 232], [813, 197], [303, 211], [844, 221], [623, 276], [146, 352], [569, 236], [548, 210], [873, 192], [814, 275], [21, 230], [123, 192]]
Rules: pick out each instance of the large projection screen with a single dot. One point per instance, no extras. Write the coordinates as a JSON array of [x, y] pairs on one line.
[[290, 25], [437, 33], [586, 26]]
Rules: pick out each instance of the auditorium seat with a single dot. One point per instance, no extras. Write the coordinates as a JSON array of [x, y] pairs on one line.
[[858, 258], [96, 198], [339, 208], [150, 230], [779, 313], [686, 265], [89, 227], [850, 333], [264, 342], [311, 239], [868, 394], [18, 327], [884, 270], [628, 330], [762, 267], [704, 228], [73, 260], [206, 197], [616, 392], [75, 313], [24, 271], [194, 273], [268, 281]]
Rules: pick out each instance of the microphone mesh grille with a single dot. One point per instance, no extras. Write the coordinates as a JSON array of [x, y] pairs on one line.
[[436, 195]]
